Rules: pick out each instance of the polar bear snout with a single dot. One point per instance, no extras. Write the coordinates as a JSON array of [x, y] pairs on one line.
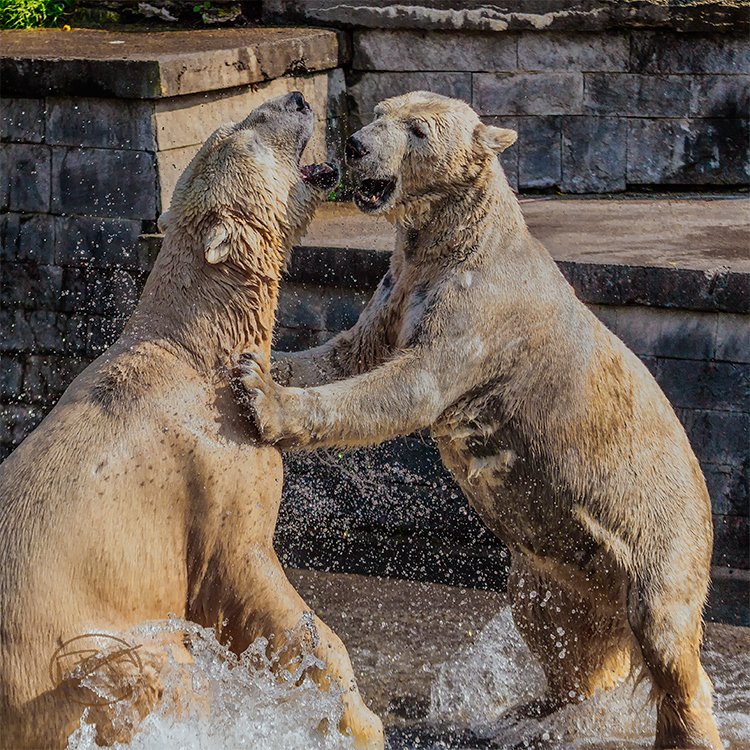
[[297, 101], [355, 149]]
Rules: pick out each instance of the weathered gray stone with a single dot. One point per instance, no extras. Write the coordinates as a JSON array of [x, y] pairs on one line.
[[30, 286], [731, 543], [527, 93], [103, 182], [667, 52], [571, 51], [700, 384], [100, 123], [344, 308], [368, 89], [298, 339], [433, 50], [15, 333], [733, 338], [85, 62], [111, 292], [300, 307], [96, 243], [73, 296], [593, 154], [491, 15], [657, 332], [4, 181], [729, 488], [717, 437], [688, 151], [28, 177], [11, 376], [720, 96], [56, 332], [539, 152], [48, 375], [336, 95], [637, 95], [102, 332], [22, 120], [17, 421], [27, 237]]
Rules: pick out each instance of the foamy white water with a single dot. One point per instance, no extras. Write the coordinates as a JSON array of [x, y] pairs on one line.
[[241, 703], [244, 705], [496, 672]]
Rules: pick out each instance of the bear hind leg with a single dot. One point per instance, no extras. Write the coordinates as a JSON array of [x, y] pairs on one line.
[[581, 647], [669, 637]]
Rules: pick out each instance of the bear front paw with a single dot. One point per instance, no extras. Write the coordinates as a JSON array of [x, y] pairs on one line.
[[271, 406]]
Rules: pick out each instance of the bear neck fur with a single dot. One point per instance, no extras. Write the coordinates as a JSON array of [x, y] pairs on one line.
[[204, 313], [436, 222]]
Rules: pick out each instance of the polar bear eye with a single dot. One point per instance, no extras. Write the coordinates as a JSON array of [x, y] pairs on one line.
[[418, 130]]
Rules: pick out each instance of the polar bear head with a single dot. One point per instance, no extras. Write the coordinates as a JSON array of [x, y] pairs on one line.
[[419, 147], [246, 186]]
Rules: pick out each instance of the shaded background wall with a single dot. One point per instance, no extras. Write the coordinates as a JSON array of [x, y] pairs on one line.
[[607, 97]]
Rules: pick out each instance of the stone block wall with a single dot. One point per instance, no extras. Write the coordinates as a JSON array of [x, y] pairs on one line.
[[596, 111], [83, 175]]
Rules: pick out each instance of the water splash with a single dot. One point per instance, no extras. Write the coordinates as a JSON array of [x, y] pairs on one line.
[[482, 681], [241, 702]]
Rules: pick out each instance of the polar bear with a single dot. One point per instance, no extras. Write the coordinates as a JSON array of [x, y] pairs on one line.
[[558, 435], [144, 492]]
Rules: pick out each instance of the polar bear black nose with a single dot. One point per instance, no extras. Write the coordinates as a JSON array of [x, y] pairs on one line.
[[299, 101], [355, 149]]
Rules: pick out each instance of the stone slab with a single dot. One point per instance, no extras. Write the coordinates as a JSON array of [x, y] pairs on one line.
[[504, 15], [86, 62], [689, 151], [569, 51], [665, 52], [190, 120], [527, 93], [594, 154], [99, 123], [366, 90], [104, 182], [703, 234], [409, 50]]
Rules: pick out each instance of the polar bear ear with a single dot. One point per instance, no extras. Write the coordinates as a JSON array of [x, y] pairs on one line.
[[496, 139], [163, 221], [216, 243]]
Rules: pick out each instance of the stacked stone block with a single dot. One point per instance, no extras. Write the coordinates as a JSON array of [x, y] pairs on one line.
[[599, 111], [82, 176]]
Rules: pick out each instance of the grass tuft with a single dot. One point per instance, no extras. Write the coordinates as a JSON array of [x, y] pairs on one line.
[[32, 14]]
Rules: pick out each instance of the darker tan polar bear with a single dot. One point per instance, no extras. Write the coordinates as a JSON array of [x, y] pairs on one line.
[[558, 435], [144, 492]]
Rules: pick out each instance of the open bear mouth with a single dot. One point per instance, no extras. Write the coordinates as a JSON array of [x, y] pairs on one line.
[[371, 195], [323, 176]]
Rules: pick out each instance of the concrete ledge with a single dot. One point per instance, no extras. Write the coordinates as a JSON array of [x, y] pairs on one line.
[[689, 254], [85, 62], [510, 15]]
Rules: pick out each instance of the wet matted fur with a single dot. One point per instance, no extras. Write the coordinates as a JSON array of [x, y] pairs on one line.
[[558, 435]]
